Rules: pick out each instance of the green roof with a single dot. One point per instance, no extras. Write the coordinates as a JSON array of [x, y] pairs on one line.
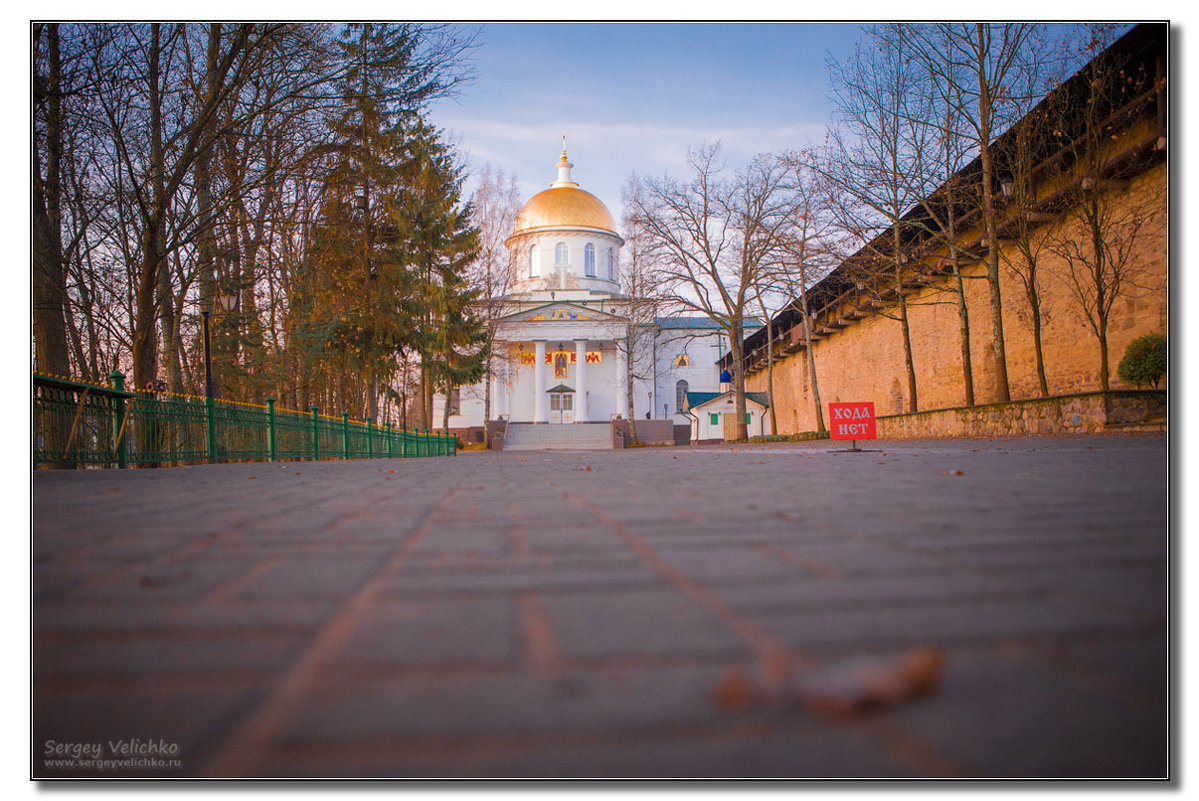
[[700, 398]]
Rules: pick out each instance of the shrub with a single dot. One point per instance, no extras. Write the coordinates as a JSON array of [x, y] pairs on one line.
[[802, 436], [1145, 361]]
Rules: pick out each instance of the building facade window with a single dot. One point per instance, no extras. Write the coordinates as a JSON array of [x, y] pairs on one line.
[[455, 401], [611, 265], [533, 261], [561, 255], [714, 418], [680, 396], [589, 260]]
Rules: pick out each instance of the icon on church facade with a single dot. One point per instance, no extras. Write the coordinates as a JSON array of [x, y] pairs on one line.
[[561, 362]]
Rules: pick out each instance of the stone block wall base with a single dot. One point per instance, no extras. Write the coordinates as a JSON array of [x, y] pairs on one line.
[[1124, 411]]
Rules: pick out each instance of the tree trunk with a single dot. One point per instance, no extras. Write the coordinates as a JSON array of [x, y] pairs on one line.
[[738, 356], [49, 287], [809, 346], [964, 334], [998, 354], [145, 341], [628, 384], [1034, 303], [955, 266], [908, 363], [487, 391]]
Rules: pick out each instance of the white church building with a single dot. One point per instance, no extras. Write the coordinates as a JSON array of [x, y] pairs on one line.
[[562, 343]]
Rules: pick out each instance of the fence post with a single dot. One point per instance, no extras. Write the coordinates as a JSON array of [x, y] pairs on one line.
[[316, 436], [387, 437], [370, 437], [209, 409], [345, 435], [118, 383], [272, 450]]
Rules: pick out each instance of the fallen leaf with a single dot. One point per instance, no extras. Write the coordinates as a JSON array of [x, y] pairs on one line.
[[249, 478], [855, 687], [843, 689]]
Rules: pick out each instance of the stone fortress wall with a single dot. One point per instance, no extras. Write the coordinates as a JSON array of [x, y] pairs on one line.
[[859, 356]]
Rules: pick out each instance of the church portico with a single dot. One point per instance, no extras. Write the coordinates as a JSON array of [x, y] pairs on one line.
[[589, 367], [561, 349]]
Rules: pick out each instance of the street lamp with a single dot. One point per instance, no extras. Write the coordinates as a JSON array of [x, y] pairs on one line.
[[227, 301]]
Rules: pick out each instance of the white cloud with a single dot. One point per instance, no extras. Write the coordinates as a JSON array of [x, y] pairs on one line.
[[605, 154]]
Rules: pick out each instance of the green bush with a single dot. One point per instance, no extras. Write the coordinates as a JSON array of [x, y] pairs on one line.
[[802, 436], [1145, 361]]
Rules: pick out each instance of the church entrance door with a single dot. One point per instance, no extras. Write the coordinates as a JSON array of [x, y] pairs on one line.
[[562, 407]]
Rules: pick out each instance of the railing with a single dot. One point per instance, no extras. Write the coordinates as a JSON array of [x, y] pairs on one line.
[[77, 424]]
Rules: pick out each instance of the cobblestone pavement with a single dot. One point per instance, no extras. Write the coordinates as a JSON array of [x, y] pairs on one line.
[[568, 614]]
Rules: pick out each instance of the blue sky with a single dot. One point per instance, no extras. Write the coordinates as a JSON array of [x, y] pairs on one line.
[[632, 97]]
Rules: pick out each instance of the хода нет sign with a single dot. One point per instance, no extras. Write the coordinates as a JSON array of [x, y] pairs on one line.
[[852, 420]]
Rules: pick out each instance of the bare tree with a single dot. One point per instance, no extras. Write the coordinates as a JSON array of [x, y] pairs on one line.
[[979, 65], [1107, 230], [49, 280], [877, 170], [808, 249], [711, 239], [495, 203], [641, 303]]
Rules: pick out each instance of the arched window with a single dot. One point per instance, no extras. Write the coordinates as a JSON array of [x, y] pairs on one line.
[[589, 260], [561, 255], [611, 265], [532, 261], [680, 396]]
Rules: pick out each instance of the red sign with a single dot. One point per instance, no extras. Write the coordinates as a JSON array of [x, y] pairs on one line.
[[852, 420]]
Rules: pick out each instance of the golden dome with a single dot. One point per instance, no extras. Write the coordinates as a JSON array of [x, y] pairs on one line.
[[564, 206]]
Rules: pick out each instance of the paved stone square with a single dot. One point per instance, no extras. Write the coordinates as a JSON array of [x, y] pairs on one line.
[[546, 614]]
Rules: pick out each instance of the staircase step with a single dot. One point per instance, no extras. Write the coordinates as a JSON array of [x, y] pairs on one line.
[[581, 436]]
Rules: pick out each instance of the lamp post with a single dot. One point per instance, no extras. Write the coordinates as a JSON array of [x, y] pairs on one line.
[[227, 301]]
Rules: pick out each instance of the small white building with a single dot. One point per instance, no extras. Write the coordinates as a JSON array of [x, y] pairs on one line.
[[714, 414], [561, 346]]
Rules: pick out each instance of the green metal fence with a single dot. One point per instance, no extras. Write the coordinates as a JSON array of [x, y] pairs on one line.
[[78, 424]]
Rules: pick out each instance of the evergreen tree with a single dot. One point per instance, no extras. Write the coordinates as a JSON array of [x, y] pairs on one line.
[[364, 307], [434, 227]]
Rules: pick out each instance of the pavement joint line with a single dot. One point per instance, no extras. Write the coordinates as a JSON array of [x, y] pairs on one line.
[[228, 589], [775, 658], [810, 566], [238, 754], [539, 646]]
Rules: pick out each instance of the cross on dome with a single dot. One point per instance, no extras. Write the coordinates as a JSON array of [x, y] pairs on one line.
[[564, 167]]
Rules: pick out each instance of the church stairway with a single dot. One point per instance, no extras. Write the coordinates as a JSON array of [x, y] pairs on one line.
[[569, 437]]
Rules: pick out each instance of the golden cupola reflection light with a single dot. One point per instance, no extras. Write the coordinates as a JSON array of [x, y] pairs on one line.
[[564, 205]]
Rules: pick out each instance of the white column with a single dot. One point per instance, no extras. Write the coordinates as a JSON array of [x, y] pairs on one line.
[[580, 381], [541, 412], [622, 380]]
